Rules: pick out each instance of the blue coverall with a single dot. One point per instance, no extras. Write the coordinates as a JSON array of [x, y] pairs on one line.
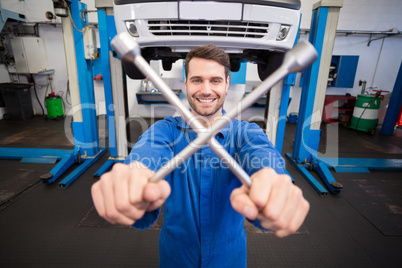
[[200, 227]]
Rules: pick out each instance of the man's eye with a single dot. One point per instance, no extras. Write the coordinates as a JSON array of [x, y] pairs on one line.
[[196, 81], [216, 81]]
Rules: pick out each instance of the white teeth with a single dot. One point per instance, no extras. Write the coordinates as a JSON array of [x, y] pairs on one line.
[[205, 100]]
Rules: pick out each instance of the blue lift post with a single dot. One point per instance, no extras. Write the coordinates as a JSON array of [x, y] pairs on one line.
[[288, 82], [304, 156], [85, 132], [394, 106], [86, 136], [307, 139], [107, 30], [364, 165], [86, 149]]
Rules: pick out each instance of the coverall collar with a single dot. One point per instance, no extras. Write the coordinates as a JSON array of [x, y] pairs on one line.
[[224, 132]]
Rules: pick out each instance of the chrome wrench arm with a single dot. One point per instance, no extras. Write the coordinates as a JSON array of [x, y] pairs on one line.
[[230, 162]]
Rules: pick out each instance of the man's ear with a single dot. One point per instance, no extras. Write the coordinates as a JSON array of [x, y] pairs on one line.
[[227, 82]]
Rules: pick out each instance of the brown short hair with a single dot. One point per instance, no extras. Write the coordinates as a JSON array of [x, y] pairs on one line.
[[209, 52]]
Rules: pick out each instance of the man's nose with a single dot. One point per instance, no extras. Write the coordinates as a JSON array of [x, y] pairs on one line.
[[206, 88]]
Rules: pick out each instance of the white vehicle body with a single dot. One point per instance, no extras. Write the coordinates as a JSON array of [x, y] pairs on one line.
[[247, 30]]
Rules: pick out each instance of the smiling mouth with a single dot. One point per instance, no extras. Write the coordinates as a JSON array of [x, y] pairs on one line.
[[205, 100]]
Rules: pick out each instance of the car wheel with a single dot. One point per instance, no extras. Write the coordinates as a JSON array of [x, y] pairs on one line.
[[167, 65], [131, 70], [271, 63], [7, 116], [235, 66]]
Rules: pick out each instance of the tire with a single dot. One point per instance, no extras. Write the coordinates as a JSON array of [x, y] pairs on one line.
[[7, 116], [235, 66], [167, 65], [131, 70], [271, 62], [311, 166]]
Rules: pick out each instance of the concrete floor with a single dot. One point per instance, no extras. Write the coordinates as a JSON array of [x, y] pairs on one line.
[[45, 226]]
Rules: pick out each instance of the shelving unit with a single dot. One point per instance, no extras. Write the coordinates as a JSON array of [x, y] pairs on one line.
[[346, 108], [260, 103], [148, 97], [343, 71]]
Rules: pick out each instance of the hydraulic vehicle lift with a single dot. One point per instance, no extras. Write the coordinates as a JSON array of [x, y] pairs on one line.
[[84, 125], [115, 100], [305, 157]]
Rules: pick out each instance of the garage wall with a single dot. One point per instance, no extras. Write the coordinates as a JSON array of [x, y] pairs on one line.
[[379, 61], [364, 15]]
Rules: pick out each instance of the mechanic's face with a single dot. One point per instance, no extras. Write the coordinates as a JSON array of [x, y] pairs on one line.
[[206, 86]]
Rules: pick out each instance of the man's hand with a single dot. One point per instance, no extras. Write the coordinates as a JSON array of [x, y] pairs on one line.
[[123, 195], [274, 200]]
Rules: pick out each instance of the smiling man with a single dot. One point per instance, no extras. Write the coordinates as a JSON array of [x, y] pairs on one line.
[[205, 204], [207, 81]]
